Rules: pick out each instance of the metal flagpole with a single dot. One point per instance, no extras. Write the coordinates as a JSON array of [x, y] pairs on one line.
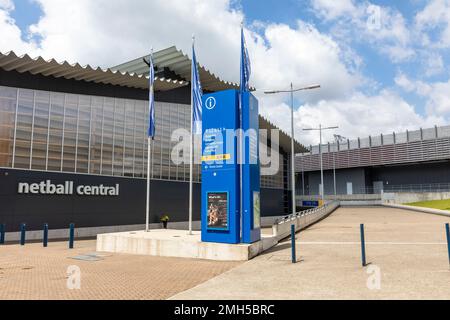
[[149, 167], [241, 149], [147, 225], [294, 201], [191, 154]]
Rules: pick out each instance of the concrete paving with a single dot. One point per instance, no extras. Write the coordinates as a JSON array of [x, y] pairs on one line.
[[407, 249], [179, 244], [35, 273]]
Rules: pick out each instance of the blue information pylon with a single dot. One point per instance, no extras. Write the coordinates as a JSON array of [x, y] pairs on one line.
[[220, 169]]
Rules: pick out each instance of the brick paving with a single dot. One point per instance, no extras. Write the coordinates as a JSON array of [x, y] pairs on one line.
[[35, 273], [407, 249]]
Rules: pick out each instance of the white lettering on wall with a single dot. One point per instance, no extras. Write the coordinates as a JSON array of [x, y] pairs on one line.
[[67, 188]]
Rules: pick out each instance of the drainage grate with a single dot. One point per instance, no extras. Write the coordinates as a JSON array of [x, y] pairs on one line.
[[92, 257]]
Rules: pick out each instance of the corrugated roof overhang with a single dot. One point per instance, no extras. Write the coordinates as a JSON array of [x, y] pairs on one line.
[[52, 68], [179, 63]]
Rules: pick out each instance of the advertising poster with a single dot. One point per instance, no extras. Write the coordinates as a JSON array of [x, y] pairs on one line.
[[256, 210], [218, 210]]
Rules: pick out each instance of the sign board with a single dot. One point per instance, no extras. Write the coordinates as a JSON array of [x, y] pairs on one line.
[[222, 219], [310, 204], [220, 169]]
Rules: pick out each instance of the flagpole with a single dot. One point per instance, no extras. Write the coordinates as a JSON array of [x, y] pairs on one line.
[[147, 225], [191, 154], [149, 145], [241, 149]]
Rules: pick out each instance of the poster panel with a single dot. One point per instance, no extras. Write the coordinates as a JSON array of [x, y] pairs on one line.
[[218, 213], [256, 210]]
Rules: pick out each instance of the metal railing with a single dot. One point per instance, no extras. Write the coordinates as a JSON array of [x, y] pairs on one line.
[[431, 187], [424, 187], [313, 211], [418, 188], [302, 220]]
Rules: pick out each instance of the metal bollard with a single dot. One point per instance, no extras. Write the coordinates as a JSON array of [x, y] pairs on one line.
[[71, 235], [447, 227], [45, 242], [294, 253], [22, 234], [2, 233], [363, 246]]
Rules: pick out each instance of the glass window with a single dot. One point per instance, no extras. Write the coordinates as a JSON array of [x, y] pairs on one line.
[[8, 102], [97, 135]]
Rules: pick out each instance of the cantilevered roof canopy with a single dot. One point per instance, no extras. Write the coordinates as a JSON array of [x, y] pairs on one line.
[[179, 63], [52, 68]]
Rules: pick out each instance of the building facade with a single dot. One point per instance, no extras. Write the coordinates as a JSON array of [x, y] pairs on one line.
[[407, 161], [62, 123]]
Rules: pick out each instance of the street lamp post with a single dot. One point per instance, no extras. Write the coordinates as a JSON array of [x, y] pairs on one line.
[[292, 91], [320, 129]]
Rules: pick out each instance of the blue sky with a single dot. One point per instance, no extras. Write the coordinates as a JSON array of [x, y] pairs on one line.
[[393, 74], [26, 13], [376, 66]]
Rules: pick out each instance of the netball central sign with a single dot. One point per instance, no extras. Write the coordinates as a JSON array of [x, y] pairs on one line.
[[67, 188]]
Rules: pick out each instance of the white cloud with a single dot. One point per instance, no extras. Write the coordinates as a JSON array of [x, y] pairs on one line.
[[106, 33], [358, 116], [382, 27], [11, 35], [437, 95], [436, 16], [434, 64], [303, 56], [404, 82], [7, 5], [332, 9]]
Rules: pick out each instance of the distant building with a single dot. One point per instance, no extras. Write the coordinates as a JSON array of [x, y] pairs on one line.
[[414, 160]]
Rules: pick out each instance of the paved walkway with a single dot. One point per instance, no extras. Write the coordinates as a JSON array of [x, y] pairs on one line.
[[32, 272], [407, 249]]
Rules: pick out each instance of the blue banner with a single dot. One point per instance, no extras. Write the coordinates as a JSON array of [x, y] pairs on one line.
[[151, 100], [246, 68], [197, 94]]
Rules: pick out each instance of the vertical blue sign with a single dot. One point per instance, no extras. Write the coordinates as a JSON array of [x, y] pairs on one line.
[[251, 180], [220, 168]]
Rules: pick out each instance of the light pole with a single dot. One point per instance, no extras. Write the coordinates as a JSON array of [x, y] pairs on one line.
[[292, 91], [320, 129]]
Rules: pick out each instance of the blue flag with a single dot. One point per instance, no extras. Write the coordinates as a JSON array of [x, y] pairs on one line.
[[197, 94], [246, 68], [151, 127]]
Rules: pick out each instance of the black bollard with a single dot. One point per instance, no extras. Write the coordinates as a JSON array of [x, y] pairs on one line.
[[2, 233], [294, 252], [45, 242], [71, 235], [447, 227], [363, 246], [22, 234]]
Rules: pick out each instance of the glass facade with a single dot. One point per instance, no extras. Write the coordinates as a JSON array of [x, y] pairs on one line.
[[49, 131]]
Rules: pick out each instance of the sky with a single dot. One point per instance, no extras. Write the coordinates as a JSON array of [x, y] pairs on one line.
[[382, 65]]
